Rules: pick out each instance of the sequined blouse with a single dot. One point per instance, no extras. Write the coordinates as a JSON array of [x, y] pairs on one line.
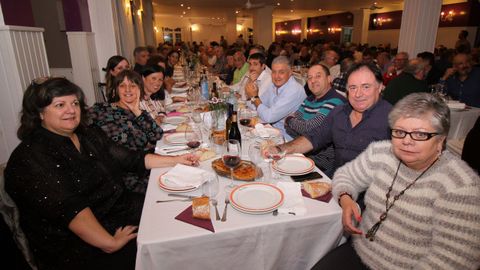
[[51, 182], [123, 127]]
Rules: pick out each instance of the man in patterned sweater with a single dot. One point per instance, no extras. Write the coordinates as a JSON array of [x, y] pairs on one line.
[[313, 111]]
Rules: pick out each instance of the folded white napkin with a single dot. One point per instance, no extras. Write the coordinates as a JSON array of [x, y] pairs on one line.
[[261, 131], [183, 175], [167, 127], [293, 202]]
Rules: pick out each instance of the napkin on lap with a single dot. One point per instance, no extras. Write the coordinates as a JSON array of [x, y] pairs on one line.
[[293, 202], [183, 176]]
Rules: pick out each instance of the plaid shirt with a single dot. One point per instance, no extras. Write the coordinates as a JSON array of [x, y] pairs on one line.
[[340, 83]]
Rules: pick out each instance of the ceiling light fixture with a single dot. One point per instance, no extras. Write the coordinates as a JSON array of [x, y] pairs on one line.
[[181, 5], [278, 4], [236, 11], [291, 10]]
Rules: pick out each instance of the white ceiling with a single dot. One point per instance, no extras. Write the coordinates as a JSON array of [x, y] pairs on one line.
[[218, 9]]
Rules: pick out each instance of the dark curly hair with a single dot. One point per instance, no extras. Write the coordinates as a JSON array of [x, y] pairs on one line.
[[38, 96], [132, 76]]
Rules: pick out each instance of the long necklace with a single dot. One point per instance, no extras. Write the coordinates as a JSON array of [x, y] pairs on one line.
[[371, 233]]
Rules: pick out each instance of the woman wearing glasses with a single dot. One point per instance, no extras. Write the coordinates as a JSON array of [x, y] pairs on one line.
[[422, 203], [65, 179]]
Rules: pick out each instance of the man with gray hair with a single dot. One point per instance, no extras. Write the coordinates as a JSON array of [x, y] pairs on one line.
[[281, 98], [411, 80]]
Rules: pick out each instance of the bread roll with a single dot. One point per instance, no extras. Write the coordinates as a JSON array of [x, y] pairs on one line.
[[201, 208], [205, 154], [183, 127], [316, 188]]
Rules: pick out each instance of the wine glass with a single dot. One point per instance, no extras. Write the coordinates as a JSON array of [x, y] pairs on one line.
[[196, 116], [272, 152], [211, 185], [232, 152], [193, 136], [255, 155]]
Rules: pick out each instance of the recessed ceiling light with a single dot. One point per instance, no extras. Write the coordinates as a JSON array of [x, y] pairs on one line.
[[291, 10], [181, 16], [181, 5], [184, 13], [236, 11], [278, 4], [319, 9], [188, 7], [291, 0]]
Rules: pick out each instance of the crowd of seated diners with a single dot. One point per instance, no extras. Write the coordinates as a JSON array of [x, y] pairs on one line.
[[363, 113]]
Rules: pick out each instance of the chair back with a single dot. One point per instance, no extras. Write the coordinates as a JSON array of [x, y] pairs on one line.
[[10, 214]]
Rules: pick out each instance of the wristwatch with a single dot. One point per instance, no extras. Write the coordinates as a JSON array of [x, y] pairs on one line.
[[252, 99]]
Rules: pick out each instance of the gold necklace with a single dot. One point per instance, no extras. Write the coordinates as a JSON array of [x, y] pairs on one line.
[[371, 233]]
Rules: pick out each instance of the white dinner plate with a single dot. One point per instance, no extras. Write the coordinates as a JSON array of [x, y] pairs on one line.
[[178, 138], [164, 185], [180, 89], [175, 120], [294, 165], [256, 198]]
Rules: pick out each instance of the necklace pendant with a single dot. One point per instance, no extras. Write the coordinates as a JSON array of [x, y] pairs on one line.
[[383, 216]]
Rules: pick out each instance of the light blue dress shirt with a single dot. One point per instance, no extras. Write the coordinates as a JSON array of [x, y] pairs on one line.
[[279, 103]]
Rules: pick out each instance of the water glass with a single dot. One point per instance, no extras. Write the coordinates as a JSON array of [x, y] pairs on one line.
[[211, 186], [255, 155]]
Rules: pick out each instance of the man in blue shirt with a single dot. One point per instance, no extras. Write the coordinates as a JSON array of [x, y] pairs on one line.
[[463, 81], [353, 126], [281, 98]]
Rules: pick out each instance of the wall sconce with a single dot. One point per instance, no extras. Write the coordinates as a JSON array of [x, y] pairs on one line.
[[194, 27], [296, 31], [156, 29], [280, 32], [447, 16], [313, 30], [239, 27], [333, 30], [139, 12], [380, 21]]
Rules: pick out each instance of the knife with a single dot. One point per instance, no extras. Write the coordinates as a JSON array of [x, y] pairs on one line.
[[177, 150], [182, 196]]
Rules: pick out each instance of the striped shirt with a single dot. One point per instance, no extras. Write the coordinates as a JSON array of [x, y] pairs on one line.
[[310, 115], [435, 224]]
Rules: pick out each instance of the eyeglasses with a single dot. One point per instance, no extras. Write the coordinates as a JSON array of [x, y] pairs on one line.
[[415, 135]]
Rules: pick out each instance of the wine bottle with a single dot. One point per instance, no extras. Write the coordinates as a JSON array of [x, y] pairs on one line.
[[204, 86], [214, 90], [228, 122], [234, 131]]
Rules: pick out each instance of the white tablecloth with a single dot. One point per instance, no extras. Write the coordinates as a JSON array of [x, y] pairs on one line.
[[461, 121], [242, 242]]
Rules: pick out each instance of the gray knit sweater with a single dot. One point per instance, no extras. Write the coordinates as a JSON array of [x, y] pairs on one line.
[[434, 225]]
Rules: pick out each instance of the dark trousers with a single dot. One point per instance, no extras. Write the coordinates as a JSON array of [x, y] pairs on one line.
[[342, 257]]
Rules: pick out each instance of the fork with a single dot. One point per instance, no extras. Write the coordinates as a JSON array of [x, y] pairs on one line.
[[224, 217], [215, 203]]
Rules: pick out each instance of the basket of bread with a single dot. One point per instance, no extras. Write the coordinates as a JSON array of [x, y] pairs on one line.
[[245, 171]]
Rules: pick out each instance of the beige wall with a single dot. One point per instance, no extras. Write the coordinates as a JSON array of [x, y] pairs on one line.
[[206, 32], [446, 36]]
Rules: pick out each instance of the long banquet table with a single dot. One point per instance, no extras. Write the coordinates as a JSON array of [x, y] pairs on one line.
[[242, 242]]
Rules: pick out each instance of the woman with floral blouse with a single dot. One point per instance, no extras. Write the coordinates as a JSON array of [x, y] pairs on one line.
[[125, 123]]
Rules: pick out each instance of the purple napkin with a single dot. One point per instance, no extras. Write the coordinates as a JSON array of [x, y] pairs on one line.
[[186, 216], [325, 198]]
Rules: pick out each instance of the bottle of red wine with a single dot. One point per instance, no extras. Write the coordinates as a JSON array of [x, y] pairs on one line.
[[228, 122], [234, 131]]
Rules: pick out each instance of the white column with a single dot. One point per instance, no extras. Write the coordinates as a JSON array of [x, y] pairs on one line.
[[304, 28], [102, 22], [231, 27], [147, 20], [418, 30], [263, 25], [360, 26], [22, 58], [84, 64]]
